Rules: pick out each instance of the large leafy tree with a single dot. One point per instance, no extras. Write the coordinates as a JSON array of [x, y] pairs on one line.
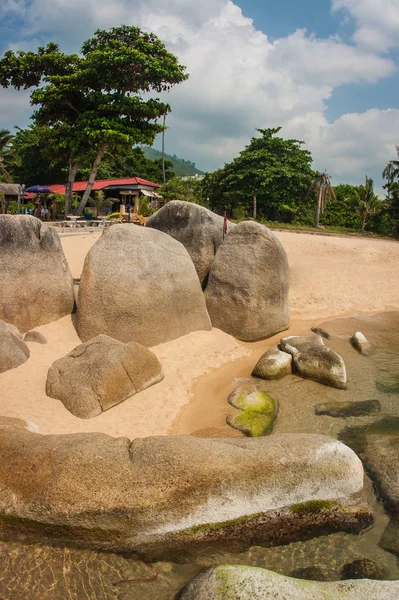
[[274, 170], [97, 101]]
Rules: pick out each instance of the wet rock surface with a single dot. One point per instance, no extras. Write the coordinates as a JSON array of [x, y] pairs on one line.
[[361, 343], [229, 582], [363, 568], [348, 409], [313, 360], [256, 410], [294, 485], [100, 374], [273, 364]]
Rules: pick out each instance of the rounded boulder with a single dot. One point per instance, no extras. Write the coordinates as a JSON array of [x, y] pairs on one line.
[[247, 291]]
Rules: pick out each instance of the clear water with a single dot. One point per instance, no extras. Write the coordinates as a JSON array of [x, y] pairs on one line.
[[38, 572]]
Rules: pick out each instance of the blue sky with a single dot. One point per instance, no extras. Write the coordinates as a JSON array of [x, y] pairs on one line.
[[325, 70]]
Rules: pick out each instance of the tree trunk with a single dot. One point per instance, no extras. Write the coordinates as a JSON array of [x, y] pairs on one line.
[[163, 151], [364, 219], [254, 207], [72, 170], [92, 178], [318, 208]]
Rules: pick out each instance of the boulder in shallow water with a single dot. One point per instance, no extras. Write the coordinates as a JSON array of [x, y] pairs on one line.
[[239, 582], [313, 360], [36, 284], [363, 568], [348, 409], [101, 373], [197, 228], [139, 285], [13, 351], [361, 343], [247, 291], [162, 496], [257, 410], [273, 364]]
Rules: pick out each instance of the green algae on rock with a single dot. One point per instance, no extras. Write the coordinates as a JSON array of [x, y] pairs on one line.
[[348, 409], [257, 410], [238, 582]]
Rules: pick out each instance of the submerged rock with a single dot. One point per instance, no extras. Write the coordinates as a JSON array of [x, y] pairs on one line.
[[313, 360], [197, 228], [362, 568], [13, 351], [36, 284], [390, 537], [378, 447], [167, 495], [247, 291], [309, 573], [257, 410], [348, 409], [273, 364], [35, 336], [360, 343], [139, 284], [388, 383], [101, 373], [233, 582], [322, 332]]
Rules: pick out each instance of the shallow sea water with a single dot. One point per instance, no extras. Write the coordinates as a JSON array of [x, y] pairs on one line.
[[41, 572]]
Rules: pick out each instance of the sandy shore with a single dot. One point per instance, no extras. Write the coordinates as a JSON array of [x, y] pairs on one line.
[[330, 276]]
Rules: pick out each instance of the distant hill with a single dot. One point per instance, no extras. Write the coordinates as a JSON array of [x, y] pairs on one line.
[[181, 167]]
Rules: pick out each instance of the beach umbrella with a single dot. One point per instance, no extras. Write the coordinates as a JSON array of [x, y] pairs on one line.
[[39, 189]]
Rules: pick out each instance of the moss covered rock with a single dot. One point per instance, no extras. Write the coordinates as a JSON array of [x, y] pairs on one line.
[[257, 410]]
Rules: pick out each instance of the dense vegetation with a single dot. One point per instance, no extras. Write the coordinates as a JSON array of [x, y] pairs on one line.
[[181, 167]]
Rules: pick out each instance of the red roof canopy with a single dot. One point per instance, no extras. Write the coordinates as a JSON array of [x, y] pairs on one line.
[[100, 184]]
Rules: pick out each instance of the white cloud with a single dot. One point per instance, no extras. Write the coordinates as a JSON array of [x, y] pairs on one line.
[[376, 21], [239, 79]]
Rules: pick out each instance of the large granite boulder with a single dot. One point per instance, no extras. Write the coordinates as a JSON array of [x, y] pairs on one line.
[[273, 364], [197, 228], [139, 284], [13, 351], [101, 373], [313, 360], [36, 284], [161, 495], [239, 582], [247, 291]]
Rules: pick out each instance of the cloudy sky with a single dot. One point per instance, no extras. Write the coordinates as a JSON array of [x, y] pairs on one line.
[[325, 70]]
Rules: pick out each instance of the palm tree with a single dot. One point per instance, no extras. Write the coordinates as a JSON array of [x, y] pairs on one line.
[[7, 155], [322, 185], [391, 171], [366, 203]]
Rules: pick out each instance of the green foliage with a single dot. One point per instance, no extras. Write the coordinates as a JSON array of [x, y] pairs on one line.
[[8, 157], [180, 167], [275, 170], [181, 189], [365, 202]]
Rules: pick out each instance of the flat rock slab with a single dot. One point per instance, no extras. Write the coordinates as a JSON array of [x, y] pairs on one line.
[[313, 360], [273, 364], [348, 409], [36, 284], [159, 495], [101, 373], [238, 582], [13, 351]]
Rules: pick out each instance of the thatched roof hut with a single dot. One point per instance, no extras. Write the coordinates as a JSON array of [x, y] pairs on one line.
[[10, 189]]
